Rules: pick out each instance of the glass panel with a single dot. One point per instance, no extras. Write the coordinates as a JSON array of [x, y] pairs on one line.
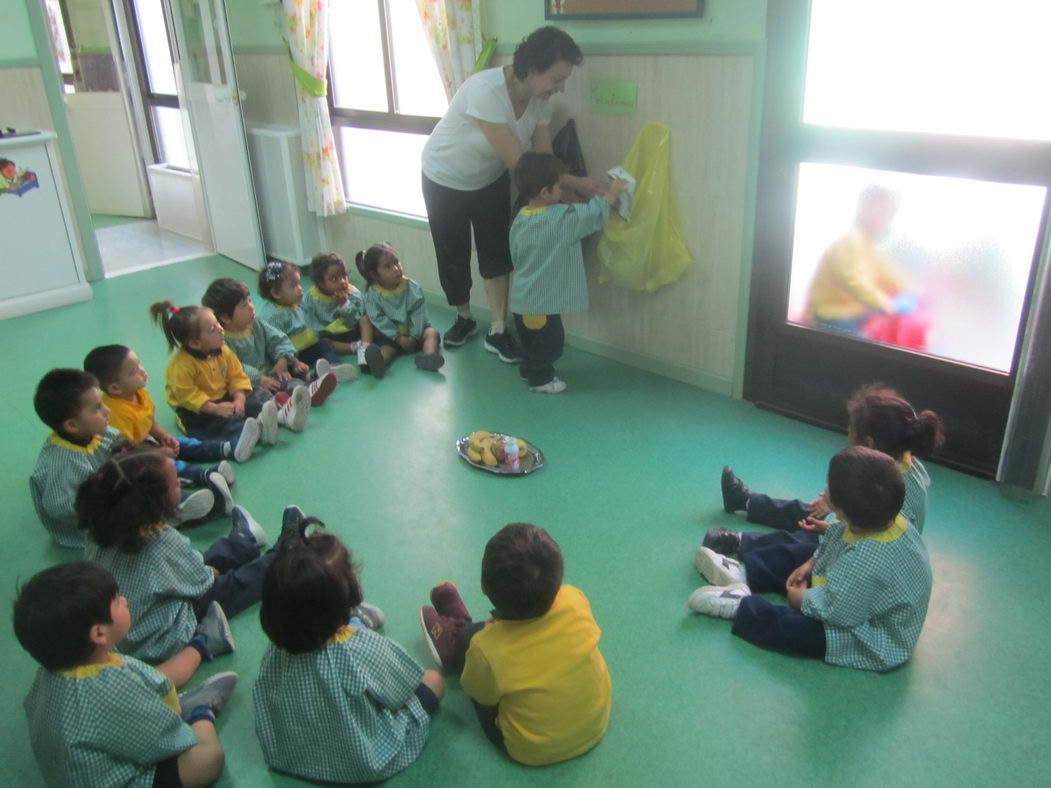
[[942, 66], [930, 263], [356, 56], [160, 72], [171, 137], [56, 24], [420, 90], [383, 169]]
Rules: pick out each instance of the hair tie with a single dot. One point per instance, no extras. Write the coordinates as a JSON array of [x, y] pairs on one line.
[[273, 271], [175, 310]]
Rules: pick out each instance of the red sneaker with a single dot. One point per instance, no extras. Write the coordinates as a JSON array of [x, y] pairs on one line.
[[321, 388], [440, 632], [448, 602]]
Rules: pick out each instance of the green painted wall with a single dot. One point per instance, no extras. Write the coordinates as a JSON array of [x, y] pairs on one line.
[[18, 43], [723, 20], [252, 25]]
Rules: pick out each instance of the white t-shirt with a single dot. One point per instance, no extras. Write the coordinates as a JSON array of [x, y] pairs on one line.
[[457, 154]]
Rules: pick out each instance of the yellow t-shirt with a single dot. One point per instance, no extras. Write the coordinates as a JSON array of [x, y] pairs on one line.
[[194, 381], [851, 279], [133, 418], [548, 678]]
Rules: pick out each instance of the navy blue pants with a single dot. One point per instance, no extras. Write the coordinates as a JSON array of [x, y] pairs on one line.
[[320, 349], [773, 626], [241, 570], [541, 348], [208, 426], [780, 513]]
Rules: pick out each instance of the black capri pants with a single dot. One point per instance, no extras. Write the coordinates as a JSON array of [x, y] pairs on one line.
[[452, 213]]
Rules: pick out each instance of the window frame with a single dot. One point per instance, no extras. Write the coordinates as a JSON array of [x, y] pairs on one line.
[[150, 99]]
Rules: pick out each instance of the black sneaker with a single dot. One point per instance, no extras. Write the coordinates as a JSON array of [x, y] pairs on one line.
[[735, 492], [463, 329], [503, 344], [722, 540]]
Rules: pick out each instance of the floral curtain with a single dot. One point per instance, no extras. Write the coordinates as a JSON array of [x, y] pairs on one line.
[[306, 31], [454, 32]]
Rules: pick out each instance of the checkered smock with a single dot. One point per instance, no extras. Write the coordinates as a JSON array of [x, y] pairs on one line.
[[325, 314], [104, 725], [398, 312], [917, 482], [259, 347], [160, 583], [60, 468], [871, 593], [292, 320], [345, 713]]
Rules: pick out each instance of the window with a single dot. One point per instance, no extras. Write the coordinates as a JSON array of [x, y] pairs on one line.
[[385, 97]]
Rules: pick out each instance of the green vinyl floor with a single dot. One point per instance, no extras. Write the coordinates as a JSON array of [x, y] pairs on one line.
[[630, 485]]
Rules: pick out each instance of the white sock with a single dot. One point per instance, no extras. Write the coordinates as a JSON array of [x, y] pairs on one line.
[[464, 311], [496, 327]]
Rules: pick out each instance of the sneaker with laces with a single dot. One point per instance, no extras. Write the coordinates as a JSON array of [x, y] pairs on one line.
[[268, 423], [446, 599], [195, 506], [440, 634], [370, 615], [247, 440], [722, 540], [363, 365], [345, 372], [215, 630], [463, 329], [212, 693], [290, 520], [504, 346], [242, 522], [735, 492], [226, 470], [430, 362], [221, 491], [553, 386], [718, 601], [321, 388], [375, 362], [293, 414], [720, 570]]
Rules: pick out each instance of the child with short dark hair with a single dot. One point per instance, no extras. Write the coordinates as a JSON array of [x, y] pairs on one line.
[[549, 275], [333, 306], [539, 683], [70, 403], [125, 508], [324, 654], [267, 355], [395, 314], [99, 718], [859, 601]]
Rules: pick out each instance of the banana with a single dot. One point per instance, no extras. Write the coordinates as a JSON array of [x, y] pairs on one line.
[[473, 455], [487, 456]]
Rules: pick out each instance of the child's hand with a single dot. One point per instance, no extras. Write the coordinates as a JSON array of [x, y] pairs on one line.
[[341, 296], [299, 368], [225, 409], [407, 344], [813, 524], [171, 443], [819, 506], [616, 188], [269, 383], [800, 575], [795, 595], [168, 452], [239, 407]]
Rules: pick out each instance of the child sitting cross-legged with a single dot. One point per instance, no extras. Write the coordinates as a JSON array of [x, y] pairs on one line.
[[396, 314], [334, 701], [267, 354], [97, 717], [539, 684], [859, 601], [174, 589]]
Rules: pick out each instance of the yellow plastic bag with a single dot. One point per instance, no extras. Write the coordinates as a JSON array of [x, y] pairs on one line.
[[650, 250]]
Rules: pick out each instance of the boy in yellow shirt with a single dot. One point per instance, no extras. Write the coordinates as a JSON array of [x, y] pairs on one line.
[[539, 683]]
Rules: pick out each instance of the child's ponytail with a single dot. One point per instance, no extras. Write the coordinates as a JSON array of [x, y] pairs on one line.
[[881, 418], [926, 433], [130, 491], [179, 324], [368, 261]]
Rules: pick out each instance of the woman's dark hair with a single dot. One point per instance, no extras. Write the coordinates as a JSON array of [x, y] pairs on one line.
[[322, 261], [521, 571], [881, 414], [57, 608], [542, 48], [273, 274], [179, 324], [535, 172], [369, 260], [866, 485], [58, 395], [129, 492], [224, 295], [309, 590], [104, 362]]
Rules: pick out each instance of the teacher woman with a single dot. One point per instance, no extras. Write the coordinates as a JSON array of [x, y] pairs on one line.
[[494, 116]]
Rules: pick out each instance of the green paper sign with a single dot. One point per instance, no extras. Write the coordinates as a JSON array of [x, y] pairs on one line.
[[616, 96]]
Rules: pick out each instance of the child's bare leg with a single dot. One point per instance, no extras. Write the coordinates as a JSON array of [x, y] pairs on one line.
[[202, 764], [182, 666], [430, 339], [341, 348], [389, 352], [432, 679], [368, 331]]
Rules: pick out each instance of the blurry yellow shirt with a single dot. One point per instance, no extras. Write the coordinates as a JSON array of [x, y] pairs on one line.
[[132, 418], [548, 678], [852, 279]]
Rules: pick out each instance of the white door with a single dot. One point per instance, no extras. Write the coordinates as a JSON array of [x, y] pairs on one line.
[[206, 64]]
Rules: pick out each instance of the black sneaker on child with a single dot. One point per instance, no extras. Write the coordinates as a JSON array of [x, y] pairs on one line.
[[503, 345], [463, 329]]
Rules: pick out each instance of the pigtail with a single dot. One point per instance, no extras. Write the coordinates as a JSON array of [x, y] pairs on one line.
[[926, 433], [178, 323], [883, 419], [161, 314], [127, 494], [359, 262]]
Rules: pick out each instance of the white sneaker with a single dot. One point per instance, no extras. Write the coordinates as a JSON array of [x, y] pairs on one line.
[[268, 422], [227, 471], [321, 368], [361, 355], [720, 570], [293, 414], [241, 520], [553, 386], [222, 489], [195, 506], [247, 441], [719, 601], [345, 372]]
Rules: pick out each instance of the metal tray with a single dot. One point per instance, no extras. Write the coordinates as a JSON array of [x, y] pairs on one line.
[[531, 460]]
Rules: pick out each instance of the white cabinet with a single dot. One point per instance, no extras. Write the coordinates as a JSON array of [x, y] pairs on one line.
[[40, 265]]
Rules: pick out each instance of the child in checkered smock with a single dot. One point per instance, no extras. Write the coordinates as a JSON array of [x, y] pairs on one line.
[[98, 718], [859, 601], [334, 701]]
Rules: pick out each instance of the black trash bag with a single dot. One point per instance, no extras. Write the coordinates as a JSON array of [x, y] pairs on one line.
[[566, 145]]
